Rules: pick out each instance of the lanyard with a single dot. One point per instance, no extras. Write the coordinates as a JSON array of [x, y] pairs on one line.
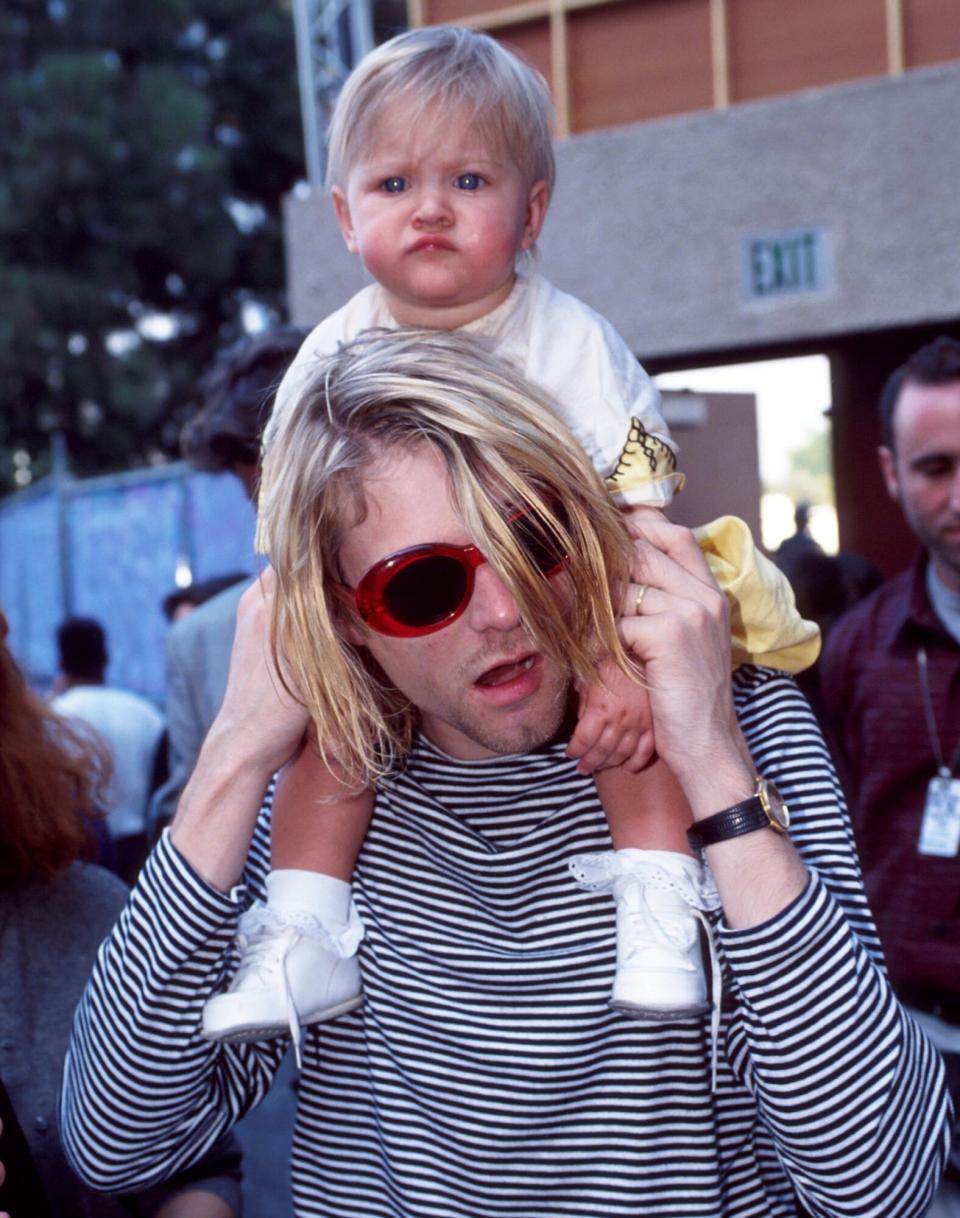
[[944, 770]]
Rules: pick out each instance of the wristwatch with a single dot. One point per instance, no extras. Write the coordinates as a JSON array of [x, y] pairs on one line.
[[763, 810]]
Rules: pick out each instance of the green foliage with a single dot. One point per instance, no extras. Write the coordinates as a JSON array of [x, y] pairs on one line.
[[147, 145], [814, 456], [810, 477]]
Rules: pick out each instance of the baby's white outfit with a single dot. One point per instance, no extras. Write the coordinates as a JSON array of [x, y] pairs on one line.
[[564, 348]]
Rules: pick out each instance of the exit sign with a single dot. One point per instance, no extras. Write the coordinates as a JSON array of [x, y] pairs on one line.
[[795, 262]]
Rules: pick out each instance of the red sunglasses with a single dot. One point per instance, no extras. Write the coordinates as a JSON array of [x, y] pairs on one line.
[[425, 588]]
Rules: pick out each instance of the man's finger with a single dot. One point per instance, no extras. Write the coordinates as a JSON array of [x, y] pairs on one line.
[[638, 599], [655, 602], [676, 542], [658, 571]]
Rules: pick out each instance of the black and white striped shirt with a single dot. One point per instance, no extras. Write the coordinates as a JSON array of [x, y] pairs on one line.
[[486, 1075]]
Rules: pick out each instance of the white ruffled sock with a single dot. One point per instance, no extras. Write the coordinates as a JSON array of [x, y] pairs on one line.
[[323, 896]]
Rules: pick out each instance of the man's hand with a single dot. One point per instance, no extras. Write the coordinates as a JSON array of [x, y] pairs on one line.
[[676, 625], [258, 716], [614, 727], [681, 638], [258, 729]]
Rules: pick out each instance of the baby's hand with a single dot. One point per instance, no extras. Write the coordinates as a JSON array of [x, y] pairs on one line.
[[614, 728]]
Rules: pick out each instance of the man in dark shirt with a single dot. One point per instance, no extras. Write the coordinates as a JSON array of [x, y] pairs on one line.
[[891, 688], [799, 542]]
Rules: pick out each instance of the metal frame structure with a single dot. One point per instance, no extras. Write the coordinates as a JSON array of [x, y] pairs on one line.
[[332, 36]]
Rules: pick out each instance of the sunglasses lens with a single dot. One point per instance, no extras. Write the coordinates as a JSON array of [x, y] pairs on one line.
[[542, 547], [422, 589], [426, 591]]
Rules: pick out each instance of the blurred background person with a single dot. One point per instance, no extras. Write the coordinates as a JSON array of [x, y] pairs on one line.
[[862, 575], [54, 911], [800, 541], [825, 586], [131, 727], [182, 601], [224, 436], [822, 595]]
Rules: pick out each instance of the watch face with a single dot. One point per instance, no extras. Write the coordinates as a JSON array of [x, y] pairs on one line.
[[773, 805]]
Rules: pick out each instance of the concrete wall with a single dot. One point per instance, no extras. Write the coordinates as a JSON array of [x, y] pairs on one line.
[[649, 220], [649, 225]]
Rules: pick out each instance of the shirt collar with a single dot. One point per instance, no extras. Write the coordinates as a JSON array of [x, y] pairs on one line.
[[917, 618]]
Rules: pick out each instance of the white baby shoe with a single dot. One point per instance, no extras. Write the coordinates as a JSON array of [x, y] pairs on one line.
[[293, 970], [661, 899]]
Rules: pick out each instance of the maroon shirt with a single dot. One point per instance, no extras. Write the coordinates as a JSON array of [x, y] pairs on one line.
[[878, 734]]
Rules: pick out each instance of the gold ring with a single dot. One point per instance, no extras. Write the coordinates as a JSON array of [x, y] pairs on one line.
[[639, 601]]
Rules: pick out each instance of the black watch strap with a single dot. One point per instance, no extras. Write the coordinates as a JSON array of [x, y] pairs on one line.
[[744, 817]]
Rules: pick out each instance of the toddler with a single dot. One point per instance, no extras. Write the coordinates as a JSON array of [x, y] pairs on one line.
[[441, 169]]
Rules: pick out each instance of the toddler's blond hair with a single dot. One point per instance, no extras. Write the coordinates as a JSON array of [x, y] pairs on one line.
[[447, 70]]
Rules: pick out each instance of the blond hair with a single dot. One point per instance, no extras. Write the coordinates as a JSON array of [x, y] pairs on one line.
[[503, 446], [455, 71]]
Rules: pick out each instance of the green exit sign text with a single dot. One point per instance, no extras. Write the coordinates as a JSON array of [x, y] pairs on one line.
[[795, 262]]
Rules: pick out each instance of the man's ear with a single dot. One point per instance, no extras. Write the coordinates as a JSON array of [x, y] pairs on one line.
[[342, 210], [537, 202], [888, 467], [343, 616], [348, 630]]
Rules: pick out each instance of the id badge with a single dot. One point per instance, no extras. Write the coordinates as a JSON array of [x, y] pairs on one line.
[[940, 831]]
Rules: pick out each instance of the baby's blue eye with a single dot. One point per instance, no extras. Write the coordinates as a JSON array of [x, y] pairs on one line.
[[394, 186], [469, 181]]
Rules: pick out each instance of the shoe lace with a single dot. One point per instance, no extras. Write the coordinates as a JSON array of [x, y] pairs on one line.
[[265, 939], [657, 924], [609, 870], [651, 923]]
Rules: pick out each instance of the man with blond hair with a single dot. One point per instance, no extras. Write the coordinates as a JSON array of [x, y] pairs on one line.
[[447, 563]]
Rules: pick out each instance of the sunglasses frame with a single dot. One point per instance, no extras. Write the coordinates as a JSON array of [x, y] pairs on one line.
[[369, 595]]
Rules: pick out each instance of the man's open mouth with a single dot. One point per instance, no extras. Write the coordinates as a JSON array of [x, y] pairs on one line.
[[500, 674]]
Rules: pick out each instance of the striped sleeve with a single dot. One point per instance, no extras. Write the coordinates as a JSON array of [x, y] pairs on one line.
[[815, 1015], [143, 1095]]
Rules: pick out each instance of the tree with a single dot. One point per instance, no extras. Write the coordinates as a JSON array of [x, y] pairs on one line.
[[811, 471], [147, 145]]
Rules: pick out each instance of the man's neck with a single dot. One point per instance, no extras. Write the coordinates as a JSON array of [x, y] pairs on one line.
[[947, 577], [945, 598]]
